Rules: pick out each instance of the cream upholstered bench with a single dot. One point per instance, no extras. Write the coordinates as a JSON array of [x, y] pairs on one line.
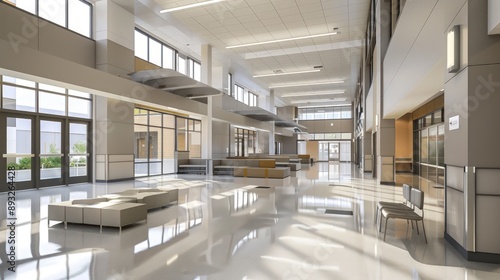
[[123, 214]]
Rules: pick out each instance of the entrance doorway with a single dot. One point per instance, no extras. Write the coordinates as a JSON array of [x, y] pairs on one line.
[[334, 151], [44, 151]]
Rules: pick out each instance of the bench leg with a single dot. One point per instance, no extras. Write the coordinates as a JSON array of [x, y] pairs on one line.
[[416, 224]]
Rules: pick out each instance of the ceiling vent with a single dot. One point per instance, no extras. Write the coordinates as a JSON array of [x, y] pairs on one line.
[[278, 71], [318, 67]]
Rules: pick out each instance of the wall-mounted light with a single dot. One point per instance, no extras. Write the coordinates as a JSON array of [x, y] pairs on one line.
[[453, 49], [376, 120]]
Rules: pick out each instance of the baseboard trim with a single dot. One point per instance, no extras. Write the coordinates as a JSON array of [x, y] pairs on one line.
[[114, 180], [472, 256]]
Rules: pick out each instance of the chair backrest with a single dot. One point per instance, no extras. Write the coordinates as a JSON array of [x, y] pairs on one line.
[[417, 198], [406, 192]]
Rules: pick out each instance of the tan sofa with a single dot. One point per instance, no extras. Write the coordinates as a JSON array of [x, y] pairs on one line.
[[255, 168]]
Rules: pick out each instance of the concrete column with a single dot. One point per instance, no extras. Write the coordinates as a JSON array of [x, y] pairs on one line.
[[367, 153], [272, 131], [114, 37], [385, 128], [472, 153], [114, 119], [113, 139], [206, 77]]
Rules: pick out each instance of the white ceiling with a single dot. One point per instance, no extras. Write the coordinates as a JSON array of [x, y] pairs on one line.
[[235, 22]]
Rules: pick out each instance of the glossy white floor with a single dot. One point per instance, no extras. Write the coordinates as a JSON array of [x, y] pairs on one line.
[[225, 228]]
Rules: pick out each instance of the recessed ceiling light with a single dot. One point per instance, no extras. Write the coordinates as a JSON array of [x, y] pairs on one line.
[[287, 73], [317, 100], [283, 40], [190, 6], [312, 93], [307, 84]]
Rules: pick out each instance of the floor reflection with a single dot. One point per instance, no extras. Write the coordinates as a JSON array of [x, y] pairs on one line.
[[242, 228]]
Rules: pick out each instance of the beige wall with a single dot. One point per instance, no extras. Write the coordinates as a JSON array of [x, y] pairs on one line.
[[324, 126], [312, 148], [404, 137], [429, 107]]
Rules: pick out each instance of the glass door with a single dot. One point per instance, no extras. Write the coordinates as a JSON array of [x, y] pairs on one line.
[[334, 151], [78, 152], [51, 153], [323, 151], [16, 147]]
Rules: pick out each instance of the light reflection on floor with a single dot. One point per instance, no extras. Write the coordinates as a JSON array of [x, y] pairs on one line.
[[229, 228]]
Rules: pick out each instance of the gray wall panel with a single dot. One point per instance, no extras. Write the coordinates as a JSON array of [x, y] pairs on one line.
[[483, 48], [488, 224], [220, 143], [455, 177], [455, 101], [483, 103], [455, 215], [488, 181], [18, 27], [65, 44]]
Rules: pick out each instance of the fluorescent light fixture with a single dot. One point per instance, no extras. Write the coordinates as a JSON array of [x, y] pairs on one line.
[[297, 94], [172, 259], [453, 49], [317, 100], [308, 84], [190, 6], [287, 73], [322, 106], [283, 40]]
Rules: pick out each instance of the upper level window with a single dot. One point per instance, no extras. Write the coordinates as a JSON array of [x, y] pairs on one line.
[[181, 64], [155, 52], [325, 113], [76, 15], [168, 58], [194, 69], [79, 17], [22, 95], [243, 95], [141, 45]]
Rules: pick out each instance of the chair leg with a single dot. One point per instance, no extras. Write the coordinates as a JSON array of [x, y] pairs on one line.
[[380, 223], [425, 236], [385, 232]]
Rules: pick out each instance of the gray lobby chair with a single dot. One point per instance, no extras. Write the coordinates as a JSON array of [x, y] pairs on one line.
[[417, 199], [395, 205]]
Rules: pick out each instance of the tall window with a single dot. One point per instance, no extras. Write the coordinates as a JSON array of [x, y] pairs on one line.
[[429, 146], [75, 15], [244, 142], [156, 136]]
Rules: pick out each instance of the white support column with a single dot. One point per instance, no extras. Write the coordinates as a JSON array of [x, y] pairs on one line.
[[206, 77], [272, 129]]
